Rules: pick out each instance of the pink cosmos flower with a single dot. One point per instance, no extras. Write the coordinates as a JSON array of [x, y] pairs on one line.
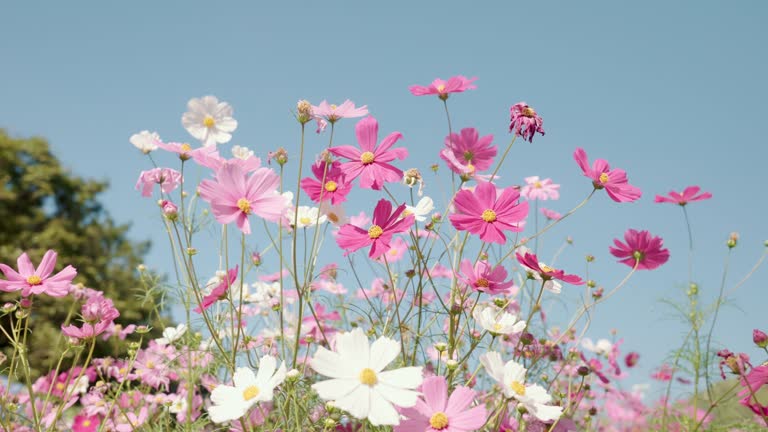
[[531, 261], [333, 113], [386, 223], [312, 328], [83, 423], [234, 195], [641, 248], [688, 195], [442, 88], [525, 122], [30, 281], [99, 308], [614, 181], [466, 153], [481, 277], [168, 179], [481, 213], [371, 162], [755, 379], [396, 251], [184, 150], [550, 214], [219, 292], [436, 411], [537, 189], [87, 330], [216, 162], [335, 188], [631, 359], [663, 373]]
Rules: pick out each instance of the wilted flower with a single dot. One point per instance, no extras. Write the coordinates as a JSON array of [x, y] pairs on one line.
[[524, 121]]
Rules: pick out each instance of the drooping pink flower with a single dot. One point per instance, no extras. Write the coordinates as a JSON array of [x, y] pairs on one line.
[[184, 150], [333, 113], [84, 423], [641, 248], [531, 261], [614, 181], [371, 162], [235, 195], [550, 214], [335, 188], [484, 278], [436, 411], [690, 194], [663, 373], [754, 380], [86, 331], [386, 223], [482, 213], [442, 88], [30, 280], [168, 179], [219, 292], [524, 121], [466, 152], [537, 189], [99, 308]]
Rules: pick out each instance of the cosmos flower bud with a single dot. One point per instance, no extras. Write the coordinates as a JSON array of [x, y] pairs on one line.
[[631, 359], [583, 370], [256, 259], [733, 240], [304, 110], [759, 338], [170, 210]]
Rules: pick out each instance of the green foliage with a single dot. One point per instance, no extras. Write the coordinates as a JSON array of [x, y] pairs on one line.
[[44, 206]]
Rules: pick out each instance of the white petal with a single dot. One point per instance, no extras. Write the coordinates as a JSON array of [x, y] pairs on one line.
[[266, 369], [353, 347], [382, 412], [225, 394], [493, 365], [223, 413], [407, 377], [398, 396], [537, 394], [226, 124], [514, 371], [330, 364], [244, 377], [545, 412], [383, 351], [335, 388], [357, 403]]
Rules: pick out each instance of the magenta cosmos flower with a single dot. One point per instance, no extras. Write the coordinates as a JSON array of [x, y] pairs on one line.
[[524, 121], [333, 113], [442, 88], [30, 281], [436, 411], [386, 223], [484, 278], [235, 195], [466, 152], [690, 194], [371, 162], [755, 379], [614, 181], [538, 189], [482, 213], [641, 248], [219, 292], [335, 188], [531, 261]]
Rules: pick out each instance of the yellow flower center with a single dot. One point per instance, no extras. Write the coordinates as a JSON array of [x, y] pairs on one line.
[[497, 327], [34, 280], [375, 232], [367, 158], [250, 392], [331, 186], [407, 213], [603, 178], [470, 168], [59, 386], [368, 377], [528, 112], [482, 282], [86, 423], [244, 205], [546, 269], [537, 185], [305, 220], [150, 364], [518, 388], [489, 215], [438, 420], [209, 122], [333, 107], [186, 147], [441, 88]]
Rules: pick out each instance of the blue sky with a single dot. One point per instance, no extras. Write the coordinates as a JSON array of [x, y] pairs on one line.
[[673, 92]]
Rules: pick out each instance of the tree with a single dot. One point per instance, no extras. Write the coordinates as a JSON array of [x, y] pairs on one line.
[[44, 206]]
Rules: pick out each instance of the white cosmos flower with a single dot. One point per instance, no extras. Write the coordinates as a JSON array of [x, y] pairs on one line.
[[335, 213], [240, 152], [308, 216], [497, 320], [209, 120], [511, 377], [233, 402], [422, 209], [145, 141], [602, 347], [358, 383], [171, 334]]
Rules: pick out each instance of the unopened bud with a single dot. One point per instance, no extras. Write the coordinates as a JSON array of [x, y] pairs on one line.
[[590, 258], [733, 239], [434, 167], [760, 338], [256, 259], [451, 364], [191, 251], [142, 329], [526, 338], [591, 283], [583, 370], [170, 210]]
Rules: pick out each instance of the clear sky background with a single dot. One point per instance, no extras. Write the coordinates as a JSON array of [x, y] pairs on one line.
[[673, 92]]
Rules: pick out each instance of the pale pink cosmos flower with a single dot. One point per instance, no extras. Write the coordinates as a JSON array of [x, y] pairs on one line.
[[484, 278], [235, 195], [550, 214], [467, 152], [386, 223], [219, 292], [436, 411], [334, 189], [614, 181], [168, 179], [30, 280], [243, 157], [690, 194], [538, 189], [524, 121], [184, 150], [333, 113], [482, 213], [371, 162], [86, 331], [641, 248], [443, 88]]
